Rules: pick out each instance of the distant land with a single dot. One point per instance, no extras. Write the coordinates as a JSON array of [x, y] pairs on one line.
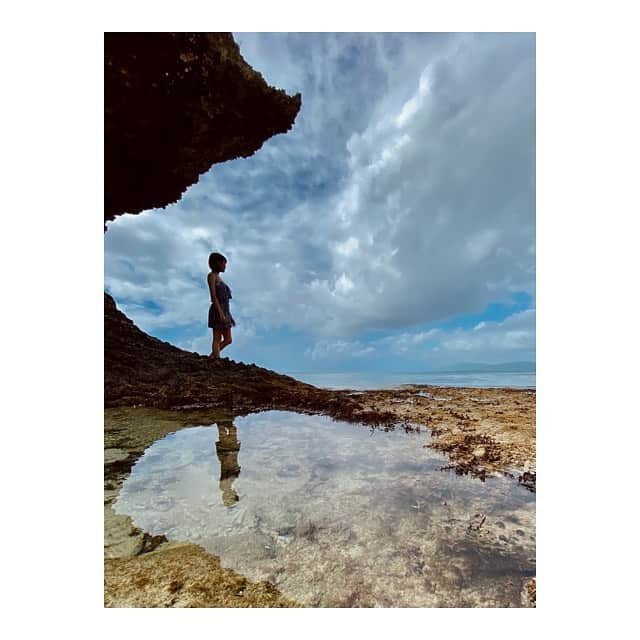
[[504, 367]]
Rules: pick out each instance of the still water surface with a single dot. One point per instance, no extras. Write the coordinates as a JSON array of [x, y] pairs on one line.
[[336, 514]]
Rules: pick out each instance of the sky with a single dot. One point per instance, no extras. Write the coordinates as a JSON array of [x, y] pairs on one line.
[[392, 229]]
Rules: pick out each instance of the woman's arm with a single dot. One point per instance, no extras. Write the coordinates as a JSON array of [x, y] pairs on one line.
[[211, 280]]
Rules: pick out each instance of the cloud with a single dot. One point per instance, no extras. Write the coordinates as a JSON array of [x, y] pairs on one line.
[[404, 195], [516, 334], [324, 349], [512, 339], [401, 343], [440, 196]]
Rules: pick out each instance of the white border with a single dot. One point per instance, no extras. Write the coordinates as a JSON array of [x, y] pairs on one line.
[[52, 267]]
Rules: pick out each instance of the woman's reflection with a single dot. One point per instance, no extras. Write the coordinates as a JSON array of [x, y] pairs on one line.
[[227, 449]]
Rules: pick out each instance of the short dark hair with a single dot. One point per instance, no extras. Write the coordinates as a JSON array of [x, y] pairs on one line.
[[215, 261]]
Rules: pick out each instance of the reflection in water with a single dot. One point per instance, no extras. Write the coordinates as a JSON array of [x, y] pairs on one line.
[[227, 449], [336, 515]]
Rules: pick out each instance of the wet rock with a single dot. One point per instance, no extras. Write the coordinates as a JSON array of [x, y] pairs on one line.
[[307, 530], [528, 595], [479, 452], [115, 455], [476, 522], [182, 576], [528, 480], [121, 538]]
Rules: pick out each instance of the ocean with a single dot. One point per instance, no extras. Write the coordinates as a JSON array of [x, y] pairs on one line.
[[379, 380]]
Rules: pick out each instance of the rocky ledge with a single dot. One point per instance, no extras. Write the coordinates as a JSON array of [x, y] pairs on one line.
[[140, 370], [175, 104]]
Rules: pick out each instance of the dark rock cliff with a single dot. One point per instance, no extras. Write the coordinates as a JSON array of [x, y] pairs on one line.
[[175, 104]]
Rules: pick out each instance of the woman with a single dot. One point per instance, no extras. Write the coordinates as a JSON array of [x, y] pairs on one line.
[[220, 318]]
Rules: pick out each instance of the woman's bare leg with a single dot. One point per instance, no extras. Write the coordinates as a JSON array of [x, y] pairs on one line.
[[226, 334], [215, 346]]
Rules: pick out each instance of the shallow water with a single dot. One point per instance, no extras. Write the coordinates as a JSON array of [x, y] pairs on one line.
[[380, 380], [336, 514]]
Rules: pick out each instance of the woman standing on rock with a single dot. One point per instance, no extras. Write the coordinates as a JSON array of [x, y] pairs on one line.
[[220, 318]]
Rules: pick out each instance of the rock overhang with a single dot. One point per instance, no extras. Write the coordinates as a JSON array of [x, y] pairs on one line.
[[175, 104]]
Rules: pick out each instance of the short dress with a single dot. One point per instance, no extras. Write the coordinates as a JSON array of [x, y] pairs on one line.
[[223, 294]]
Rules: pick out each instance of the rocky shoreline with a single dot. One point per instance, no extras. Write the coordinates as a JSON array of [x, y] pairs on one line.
[[483, 431], [153, 388]]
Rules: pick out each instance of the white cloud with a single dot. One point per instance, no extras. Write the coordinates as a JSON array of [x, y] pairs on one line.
[[330, 349], [404, 195], [415, 103], [516, 334], [512, 339], [348, 247], [344, 284]]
